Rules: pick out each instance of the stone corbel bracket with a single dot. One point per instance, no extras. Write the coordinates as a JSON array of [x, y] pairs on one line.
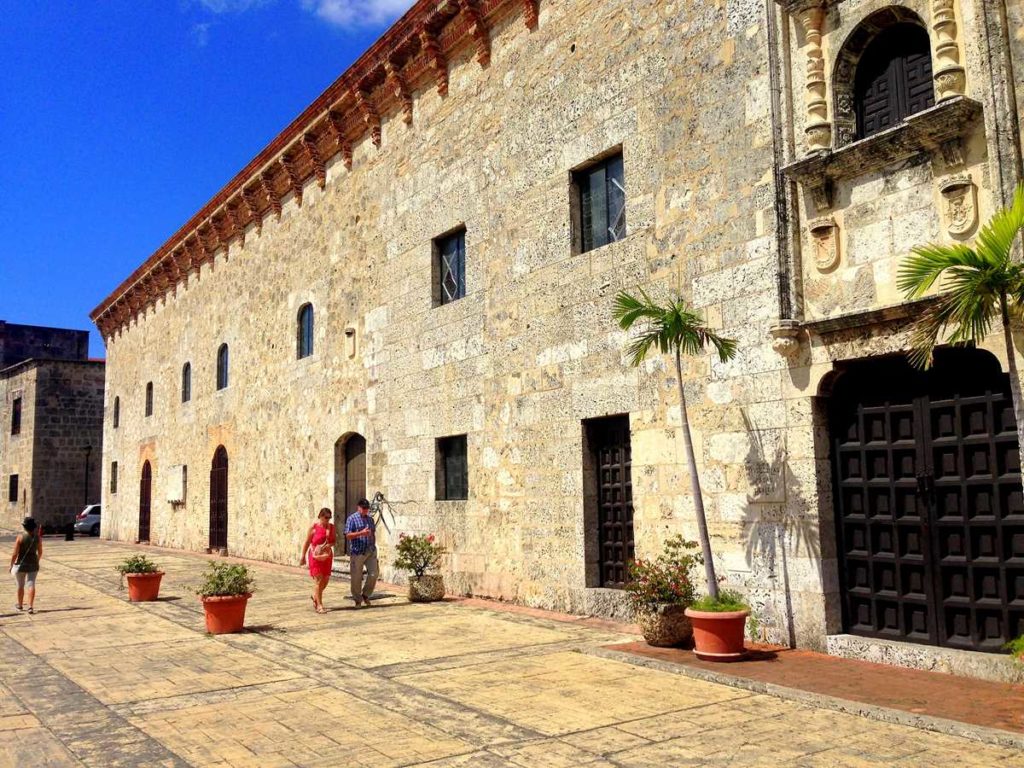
[[479, 30], [394, 76], [786, 335]]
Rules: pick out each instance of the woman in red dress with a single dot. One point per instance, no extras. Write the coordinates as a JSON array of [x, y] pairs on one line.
[[318, 551]]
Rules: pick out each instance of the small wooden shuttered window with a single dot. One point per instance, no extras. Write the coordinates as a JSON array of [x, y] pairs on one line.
[[305, 332], [894, 79], [602, 191]]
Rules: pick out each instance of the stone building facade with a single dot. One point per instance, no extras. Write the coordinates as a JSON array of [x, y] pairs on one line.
[[51, 425], [759, 179]]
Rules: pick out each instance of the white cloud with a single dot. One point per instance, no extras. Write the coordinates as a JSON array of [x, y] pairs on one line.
[[201, 33], [353, 13], [231, 6]]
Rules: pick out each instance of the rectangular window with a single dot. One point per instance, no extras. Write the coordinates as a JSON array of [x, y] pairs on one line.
[[149, 399], [450, 267], [452, 481], [113, 477], [601, 189], [12, 489], [16, 416]]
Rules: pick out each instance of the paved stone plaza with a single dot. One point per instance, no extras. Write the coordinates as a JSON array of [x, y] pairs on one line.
[[93, 680]]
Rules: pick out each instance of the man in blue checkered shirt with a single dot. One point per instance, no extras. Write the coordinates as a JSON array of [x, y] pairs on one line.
[[362, 549]]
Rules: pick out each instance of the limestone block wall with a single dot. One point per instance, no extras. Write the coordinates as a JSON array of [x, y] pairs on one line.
[[531, 351]]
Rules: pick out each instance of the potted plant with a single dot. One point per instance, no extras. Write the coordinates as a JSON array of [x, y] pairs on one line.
[[718, 626], [675, 328], [225, 592], [660, 590], [143, 578], [417, 554]]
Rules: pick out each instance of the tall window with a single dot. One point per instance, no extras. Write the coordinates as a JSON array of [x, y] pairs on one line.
[[452, 475], [222, 366], [602, 202], [149, 399], [894, 78], [450, 267], [16, 416], [113, 477], [305, 337], [12, 488], [186, 382]]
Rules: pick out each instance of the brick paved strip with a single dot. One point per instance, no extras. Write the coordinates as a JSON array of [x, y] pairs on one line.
[[92, 732], [821, 701]]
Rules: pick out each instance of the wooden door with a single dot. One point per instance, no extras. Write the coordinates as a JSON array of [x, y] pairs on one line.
[[145, 501], [613, 460], [355, 478], [219, 500]]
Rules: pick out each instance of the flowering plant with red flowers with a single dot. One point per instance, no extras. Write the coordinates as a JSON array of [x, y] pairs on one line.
[[418, 553], [665, 580]]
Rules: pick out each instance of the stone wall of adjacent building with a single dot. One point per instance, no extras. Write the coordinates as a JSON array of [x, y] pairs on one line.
[[22, 342], [62, 415], [531, 353], [16, 451]]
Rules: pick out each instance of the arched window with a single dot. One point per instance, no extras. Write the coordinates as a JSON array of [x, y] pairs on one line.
[[222, 366], [117, 412], [305, 331], [186, 382], [894, 78], [149, 399]]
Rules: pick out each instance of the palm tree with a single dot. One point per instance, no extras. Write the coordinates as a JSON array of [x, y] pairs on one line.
[[677, 329], [982, 284]]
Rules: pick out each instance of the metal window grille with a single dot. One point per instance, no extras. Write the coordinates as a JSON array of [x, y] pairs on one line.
[[305, 341], [451, 254], [222, 366], [186, 383], [602, 190], [453, 469]]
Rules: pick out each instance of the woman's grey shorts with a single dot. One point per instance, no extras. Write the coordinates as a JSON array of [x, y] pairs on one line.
[[26, 579]]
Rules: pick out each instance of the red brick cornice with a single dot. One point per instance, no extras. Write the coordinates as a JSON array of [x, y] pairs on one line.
[[414, 50]]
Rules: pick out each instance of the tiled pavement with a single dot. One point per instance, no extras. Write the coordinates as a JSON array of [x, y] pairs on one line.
[[92, 680]]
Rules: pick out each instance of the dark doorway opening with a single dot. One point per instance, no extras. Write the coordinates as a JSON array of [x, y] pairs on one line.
[[608, 501], [145, 501], [219, 500], [349, 477], [928, 500]]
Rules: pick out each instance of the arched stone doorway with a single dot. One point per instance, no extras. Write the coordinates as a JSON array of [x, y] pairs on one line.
[[145, 501], [349, 476], [219, 500], [928, 501]]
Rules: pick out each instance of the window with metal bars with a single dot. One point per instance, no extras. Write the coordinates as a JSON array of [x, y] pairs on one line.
[[16, 416], [450, 267], [304, 342], [601, 190], [452, 477]]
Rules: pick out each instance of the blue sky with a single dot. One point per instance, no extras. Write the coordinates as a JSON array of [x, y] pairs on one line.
[[120, 118]]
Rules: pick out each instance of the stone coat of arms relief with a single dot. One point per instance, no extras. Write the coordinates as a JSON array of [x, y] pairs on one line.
[[825, 242], [959, 203]]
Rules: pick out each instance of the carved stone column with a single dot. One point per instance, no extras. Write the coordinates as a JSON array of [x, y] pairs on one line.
[[950, 78], [818, 130]]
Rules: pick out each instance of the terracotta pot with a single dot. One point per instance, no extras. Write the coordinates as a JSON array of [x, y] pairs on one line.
[[718, 636], [428, 588], [143, 587], [225, 614], [665, 626]]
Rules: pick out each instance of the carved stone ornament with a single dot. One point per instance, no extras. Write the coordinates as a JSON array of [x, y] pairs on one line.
[[960, 201], [786, 337], [825, 240], [950, 78], [818, 130]]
